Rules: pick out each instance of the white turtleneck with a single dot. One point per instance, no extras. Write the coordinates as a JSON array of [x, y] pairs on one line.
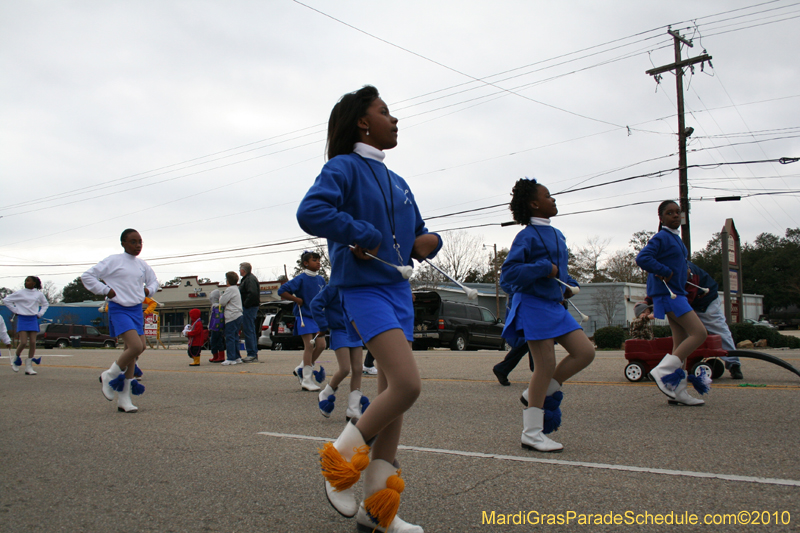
[[370, 152], [538, 221]]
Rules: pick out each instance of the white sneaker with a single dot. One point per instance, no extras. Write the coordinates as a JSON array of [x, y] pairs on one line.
[[228, 362], [370, 371]]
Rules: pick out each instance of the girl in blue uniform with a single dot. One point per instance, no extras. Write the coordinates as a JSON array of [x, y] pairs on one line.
[[665, 259], [301, 290], [537, 257], [347, 345], [357, 201]]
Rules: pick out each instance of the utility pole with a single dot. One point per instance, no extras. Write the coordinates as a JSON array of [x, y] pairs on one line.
[[683, 131], [496, 283]]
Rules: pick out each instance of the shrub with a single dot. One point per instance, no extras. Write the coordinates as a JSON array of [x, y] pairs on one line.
[[610, 337], [751, 332], [661, 331]]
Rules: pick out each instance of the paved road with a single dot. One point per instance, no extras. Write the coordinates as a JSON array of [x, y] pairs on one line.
[[196, 459]]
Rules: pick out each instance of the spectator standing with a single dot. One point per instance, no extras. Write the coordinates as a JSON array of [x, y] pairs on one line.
[[251, 299], [231, 301], [709, 310], [216, 329]]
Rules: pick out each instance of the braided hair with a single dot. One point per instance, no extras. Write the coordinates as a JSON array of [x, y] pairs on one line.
[[663, 207], [523, 192], [37, 283]]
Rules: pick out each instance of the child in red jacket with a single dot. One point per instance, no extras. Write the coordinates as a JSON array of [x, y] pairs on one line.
[[195, 334]]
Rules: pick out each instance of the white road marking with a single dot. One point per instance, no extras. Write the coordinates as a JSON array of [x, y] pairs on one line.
[[40, 355], [601, 466]]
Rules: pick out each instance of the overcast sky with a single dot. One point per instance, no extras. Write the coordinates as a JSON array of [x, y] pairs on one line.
[[202, 124]]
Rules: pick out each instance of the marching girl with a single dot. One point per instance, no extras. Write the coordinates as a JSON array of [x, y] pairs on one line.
[[537, 259], [357, 201], [347, 345], [125, 280], [301, 290], [29, 305], [665, 259]]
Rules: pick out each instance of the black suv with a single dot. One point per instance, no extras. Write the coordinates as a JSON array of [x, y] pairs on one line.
[[459, 325], [60, 335], [282, 331]]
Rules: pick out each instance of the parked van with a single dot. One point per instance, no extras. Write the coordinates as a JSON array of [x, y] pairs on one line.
[[61, 335], [457, 325]]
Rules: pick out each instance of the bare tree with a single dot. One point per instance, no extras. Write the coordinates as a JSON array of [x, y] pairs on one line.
[[621, 266], [588, 260], [460, 254], [605, 300], [425, 277], [639, 240], [51, 292]]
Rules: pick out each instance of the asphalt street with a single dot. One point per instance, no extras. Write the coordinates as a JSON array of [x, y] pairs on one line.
[[233, 449]]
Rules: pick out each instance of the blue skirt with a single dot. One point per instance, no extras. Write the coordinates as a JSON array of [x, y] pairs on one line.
[[664, 304], [536, 319], [28, 323], [378, 308], [310, 325], [122, 319], [345, 338]]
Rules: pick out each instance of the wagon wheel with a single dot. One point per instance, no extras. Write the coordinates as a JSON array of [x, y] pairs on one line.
[[702, 366], [635, 371], [717, 368]]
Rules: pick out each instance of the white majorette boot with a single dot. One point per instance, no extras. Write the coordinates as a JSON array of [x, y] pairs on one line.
[[309, 383], [124, 402], [533, 437], [16, 362], [670, 368], [298, 371], [682, 396], [326, 401], [553, 388], [357, 403], [29, 371], [106, 378], [342, 463], [378, 511]]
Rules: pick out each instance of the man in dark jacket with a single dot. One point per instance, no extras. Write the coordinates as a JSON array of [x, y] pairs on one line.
[[251, 299], [708, 307]]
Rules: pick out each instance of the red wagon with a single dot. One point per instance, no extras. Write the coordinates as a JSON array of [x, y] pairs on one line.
[[644, 355]]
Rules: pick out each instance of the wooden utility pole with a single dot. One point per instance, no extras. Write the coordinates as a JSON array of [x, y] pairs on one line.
[[683, 177]]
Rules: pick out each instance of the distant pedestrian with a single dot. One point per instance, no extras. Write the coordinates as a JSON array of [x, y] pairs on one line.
[[231, 301], [216, 329], [518, 350], [126, 281], [708, 307], [251, 300], [29, 304]]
